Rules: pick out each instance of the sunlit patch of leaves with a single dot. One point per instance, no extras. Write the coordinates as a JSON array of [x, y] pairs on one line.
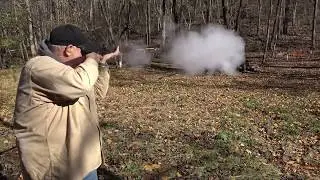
[[251, 103], [132, 169], [314, 125], [8, 81]]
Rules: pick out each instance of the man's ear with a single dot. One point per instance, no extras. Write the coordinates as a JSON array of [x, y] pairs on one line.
[[68, 50]]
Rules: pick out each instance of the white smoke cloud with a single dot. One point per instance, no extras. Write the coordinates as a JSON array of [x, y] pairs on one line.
[[212, 49], [136, 55]]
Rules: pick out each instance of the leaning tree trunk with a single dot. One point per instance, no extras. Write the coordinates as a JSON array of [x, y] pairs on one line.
[[314, 24], [30, 28], [268, 32]]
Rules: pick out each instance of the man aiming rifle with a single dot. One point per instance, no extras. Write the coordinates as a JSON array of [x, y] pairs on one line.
[[55, 117]]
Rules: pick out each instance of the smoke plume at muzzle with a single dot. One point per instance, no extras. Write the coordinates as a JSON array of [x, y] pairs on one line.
[[136, 56], [212, 49]]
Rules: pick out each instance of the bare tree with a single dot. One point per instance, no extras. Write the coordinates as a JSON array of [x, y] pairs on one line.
[[225, 12], [148, 23], [294, 14], [105, 8], [286, 16], [174, 12], [91, 13], [268, 31], [276, 28], [164, 34], [314, 24], [238, 16], [30, 28], [208, 4], [259, 16], [195, 7]]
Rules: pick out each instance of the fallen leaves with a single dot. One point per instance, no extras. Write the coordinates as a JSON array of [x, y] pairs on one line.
[[151, 167], [175, 120]]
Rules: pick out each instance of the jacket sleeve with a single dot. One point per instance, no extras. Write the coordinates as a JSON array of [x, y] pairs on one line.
[[102, 84], [62, 81]]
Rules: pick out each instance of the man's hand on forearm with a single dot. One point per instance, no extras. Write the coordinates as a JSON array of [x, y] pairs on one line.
[[105, 58]]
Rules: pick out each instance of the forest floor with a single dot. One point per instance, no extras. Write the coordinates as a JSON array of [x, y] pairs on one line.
[[160, 124]]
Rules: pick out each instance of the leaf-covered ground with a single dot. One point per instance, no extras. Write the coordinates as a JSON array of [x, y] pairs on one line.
[[168, 125]]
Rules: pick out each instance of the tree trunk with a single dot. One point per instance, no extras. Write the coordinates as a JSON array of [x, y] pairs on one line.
[[148, 23], [294, 15], [91, 11], [286, 16], [107, 18], [2, 63], [259, 17], [275, 25], [164, 34], [195, 6], [305, 17], [208, 4], [25, 50], [174, 12], [281, 16], [22, 54], [30, 28], [218, 11], [128, 21], [210, 11], [225, 13], [53, 14], [314, 24], [192, 18], [36, 43], [238, 17], [268, 32], [14, 9], [203, 17], [42, 20]]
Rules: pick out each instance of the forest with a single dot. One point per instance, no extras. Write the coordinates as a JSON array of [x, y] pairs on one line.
[[266, 26]]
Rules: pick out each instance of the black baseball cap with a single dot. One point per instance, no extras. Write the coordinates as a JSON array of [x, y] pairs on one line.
[[70, 34]]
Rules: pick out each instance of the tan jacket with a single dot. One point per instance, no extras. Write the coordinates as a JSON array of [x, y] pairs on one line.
[[56, 123]]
